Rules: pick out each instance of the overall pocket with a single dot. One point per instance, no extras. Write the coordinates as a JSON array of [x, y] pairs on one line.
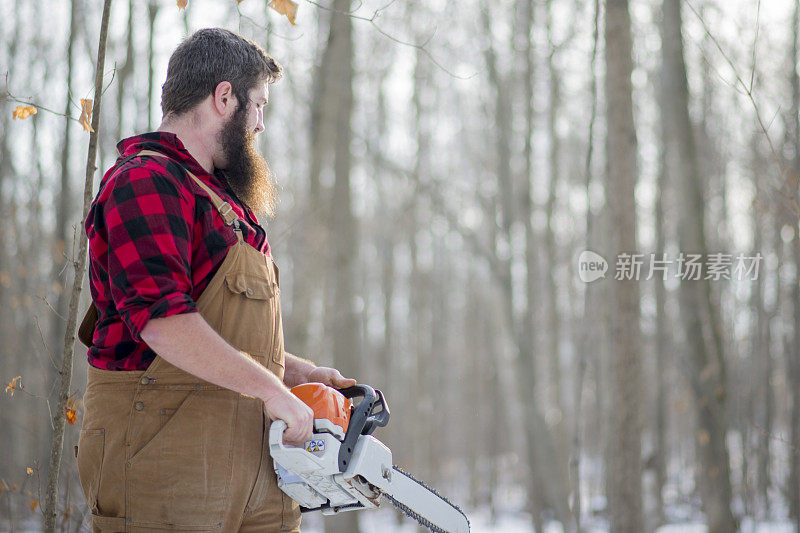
[[91, 444], [180, 479], [248, 316]]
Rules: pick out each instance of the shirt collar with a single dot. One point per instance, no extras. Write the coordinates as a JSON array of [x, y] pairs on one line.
[[170, 145], [165, 142]]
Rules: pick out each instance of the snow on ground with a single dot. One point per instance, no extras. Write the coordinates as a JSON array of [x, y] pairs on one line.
[[747, 526], [385, 520]]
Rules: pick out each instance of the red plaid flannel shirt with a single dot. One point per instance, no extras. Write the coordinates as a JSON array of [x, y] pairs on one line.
[[155, 242]]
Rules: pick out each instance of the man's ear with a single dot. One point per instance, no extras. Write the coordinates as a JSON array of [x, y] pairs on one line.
[[223, 99]]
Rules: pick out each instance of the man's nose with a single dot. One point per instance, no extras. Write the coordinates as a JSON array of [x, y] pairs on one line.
[[260, 124]]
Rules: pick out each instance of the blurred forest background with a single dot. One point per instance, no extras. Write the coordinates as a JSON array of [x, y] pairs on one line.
[[443, 164]]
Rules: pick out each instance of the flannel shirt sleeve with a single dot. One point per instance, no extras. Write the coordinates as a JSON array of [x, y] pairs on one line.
[[148, 216]]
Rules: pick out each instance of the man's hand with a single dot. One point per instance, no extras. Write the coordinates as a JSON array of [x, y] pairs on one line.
[[330, 377], [298, 416], [299, 371]]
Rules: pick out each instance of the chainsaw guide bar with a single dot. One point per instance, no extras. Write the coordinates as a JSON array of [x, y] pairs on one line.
[[421, 520]]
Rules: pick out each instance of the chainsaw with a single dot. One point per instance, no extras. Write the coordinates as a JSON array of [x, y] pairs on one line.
[[344, 468]]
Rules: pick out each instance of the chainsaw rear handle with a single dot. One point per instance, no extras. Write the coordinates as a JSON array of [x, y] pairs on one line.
[[370, 413], [276, 429]]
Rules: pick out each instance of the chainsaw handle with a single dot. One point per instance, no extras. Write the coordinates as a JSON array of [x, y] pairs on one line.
[[276, 429], [368, 414]]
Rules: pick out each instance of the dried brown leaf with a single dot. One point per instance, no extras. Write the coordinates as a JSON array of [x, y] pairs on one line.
[[285, 7], [13, 385], [86, 114]]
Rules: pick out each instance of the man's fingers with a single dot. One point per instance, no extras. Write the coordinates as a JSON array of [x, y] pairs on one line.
[[298, 416], [295, 437], [331, 377], [301, 429], [336, 379], [341, 382], [292, 441], [297, 434]]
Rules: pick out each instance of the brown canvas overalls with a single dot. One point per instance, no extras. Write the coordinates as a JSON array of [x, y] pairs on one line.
[[164, 450]]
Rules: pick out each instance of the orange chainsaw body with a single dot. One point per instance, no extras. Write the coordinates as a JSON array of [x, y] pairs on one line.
[[326, 402]]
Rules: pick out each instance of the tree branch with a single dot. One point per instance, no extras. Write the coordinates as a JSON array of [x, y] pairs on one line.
[[371, 20], [748, 91]]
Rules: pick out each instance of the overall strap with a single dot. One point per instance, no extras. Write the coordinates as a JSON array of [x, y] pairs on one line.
[[225, 210]]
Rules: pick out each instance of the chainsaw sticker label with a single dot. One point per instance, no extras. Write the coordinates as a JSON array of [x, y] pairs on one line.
[[315, 445]]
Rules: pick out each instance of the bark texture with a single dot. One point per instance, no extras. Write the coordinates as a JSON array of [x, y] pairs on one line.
[[625, 476]]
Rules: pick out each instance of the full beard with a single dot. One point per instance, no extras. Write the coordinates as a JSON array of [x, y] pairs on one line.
[[246, 170]]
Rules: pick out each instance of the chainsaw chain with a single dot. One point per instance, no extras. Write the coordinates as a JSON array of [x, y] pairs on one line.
[[421, 519]]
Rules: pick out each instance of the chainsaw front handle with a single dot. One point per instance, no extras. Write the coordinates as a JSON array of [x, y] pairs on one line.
[[370, 413]]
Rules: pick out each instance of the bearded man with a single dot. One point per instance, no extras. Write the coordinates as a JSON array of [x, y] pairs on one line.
[[186, 358]]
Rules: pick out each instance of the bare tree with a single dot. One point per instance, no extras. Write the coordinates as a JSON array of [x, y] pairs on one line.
[[705, 359], [547, 485], [586, 338], [50, 508], [340, 309], [125, 71], [553, 317], [65, 232], [310, 238], [625, 481], [152, 13], [662, 340], [528, 339], [793, 355]]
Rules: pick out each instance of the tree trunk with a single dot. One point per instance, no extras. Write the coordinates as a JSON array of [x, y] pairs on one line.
[[705, 359], [793, 363], [761, 361], [528, 329], [124, 72], [421, 296], [553, 317], [626, 472], [65, 233], [586, 338], [662, 340], [152, 13], [7, 177], [386, 244], [50, 509], [343, 319], [311, 237], [793, 355], [549, 476]]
